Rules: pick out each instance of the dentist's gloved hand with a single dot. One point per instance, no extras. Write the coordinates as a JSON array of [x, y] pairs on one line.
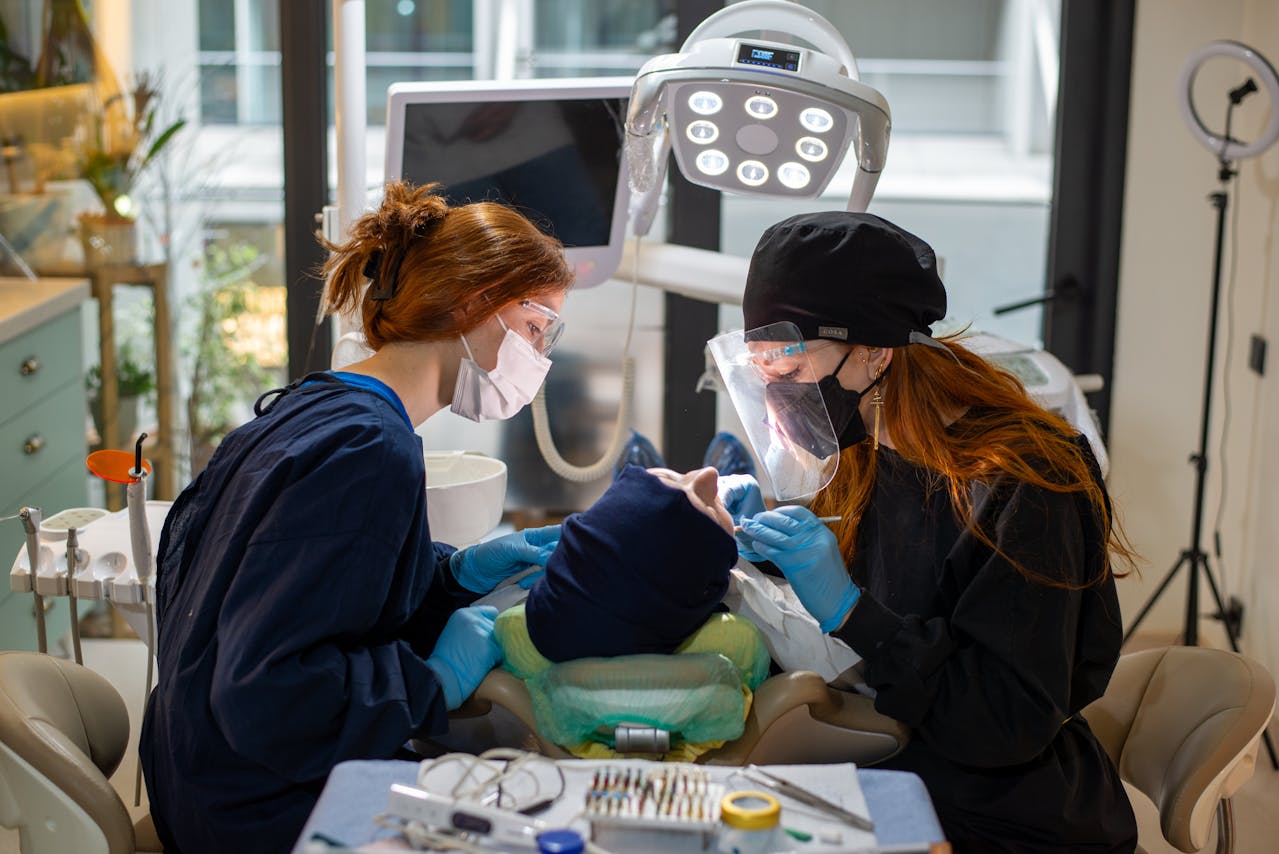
[[741, 495], [743, 499], [465, 653], [485, 565], [807, 553]]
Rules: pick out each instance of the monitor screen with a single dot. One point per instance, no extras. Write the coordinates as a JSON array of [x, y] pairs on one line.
[[551, 149]]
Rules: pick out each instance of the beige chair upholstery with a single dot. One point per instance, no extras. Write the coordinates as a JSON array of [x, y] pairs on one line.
[[1183, 725], [794, 718], [63, 732]]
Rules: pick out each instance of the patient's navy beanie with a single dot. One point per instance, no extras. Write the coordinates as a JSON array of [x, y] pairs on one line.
[[637, 572]]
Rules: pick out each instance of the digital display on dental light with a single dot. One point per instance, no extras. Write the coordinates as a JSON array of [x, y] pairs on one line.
[[769, 57], [555, 161]]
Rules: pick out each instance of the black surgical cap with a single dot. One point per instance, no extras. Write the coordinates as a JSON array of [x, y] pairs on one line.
[[847, 277]]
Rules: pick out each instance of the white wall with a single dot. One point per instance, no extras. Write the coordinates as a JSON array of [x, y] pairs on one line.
[[1165, 289]]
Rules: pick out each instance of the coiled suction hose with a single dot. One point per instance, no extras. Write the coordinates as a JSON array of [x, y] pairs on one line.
[[621, 432], [621, 427]]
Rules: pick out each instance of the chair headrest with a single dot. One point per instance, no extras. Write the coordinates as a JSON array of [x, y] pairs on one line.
[[50, 704]]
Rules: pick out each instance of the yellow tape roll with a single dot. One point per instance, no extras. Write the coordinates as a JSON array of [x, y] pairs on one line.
[[750, 811]]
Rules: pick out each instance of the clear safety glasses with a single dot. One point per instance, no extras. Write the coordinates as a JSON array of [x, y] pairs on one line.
[[784, 362], [541, 325]]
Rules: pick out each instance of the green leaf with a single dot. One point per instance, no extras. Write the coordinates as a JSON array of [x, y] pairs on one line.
[[161, 141]]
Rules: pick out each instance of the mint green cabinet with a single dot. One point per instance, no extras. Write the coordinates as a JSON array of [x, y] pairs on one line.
[[42, 450]]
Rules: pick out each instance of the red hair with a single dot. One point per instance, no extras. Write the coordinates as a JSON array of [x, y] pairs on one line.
[[1005, 434], [457, 266]]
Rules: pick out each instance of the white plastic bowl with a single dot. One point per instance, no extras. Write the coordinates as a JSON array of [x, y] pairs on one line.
[[465, 494]]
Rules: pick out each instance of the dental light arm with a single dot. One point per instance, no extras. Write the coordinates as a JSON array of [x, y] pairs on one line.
[[803, 107]]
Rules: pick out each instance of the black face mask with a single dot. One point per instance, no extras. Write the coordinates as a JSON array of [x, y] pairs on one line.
[[797, 413], [844, 407], [794, 407]]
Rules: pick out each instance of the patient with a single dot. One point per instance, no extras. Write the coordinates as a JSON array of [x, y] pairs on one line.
[[643, 570]]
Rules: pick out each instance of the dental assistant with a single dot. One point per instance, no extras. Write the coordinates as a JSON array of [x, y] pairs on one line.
[[972, 569], [305, 616]]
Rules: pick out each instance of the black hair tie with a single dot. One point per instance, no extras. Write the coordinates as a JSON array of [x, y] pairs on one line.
[[383, 288]]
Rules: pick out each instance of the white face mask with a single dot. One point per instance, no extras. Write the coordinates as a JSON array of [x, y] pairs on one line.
[[794, 473], [498, 394]]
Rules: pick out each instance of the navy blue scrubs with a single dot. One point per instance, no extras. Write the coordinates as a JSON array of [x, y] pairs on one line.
[[298, 593]]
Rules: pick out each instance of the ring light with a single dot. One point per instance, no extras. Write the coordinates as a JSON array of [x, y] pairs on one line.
[[1268, 80]]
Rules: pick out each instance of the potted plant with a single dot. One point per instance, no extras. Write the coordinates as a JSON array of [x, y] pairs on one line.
[[135, 380], [220, 372], [123, 137]]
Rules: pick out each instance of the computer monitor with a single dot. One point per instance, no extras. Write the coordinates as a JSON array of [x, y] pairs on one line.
[[552, 149]]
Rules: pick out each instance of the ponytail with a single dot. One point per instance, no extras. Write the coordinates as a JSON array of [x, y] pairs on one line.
[[437, 271]]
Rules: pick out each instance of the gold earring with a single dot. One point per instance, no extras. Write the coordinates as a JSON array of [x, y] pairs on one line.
[[877, 401]]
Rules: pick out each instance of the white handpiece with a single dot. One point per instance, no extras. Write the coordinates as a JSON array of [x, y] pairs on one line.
[[501, 827], [139, 530], [140, 537], [65, 524], [30, 517]]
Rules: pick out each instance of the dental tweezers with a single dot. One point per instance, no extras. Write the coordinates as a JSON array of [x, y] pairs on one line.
[[807, 798]]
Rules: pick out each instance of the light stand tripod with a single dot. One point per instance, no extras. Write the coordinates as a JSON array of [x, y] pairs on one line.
[[1194, 558]]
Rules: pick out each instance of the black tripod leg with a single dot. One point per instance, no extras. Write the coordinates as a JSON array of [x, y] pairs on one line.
[[1234, 644], [1150, 603], [1221, 606]]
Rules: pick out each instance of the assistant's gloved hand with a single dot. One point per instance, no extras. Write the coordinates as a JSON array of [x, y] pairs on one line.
[[485, 565], [465, 652], [742, 498], [807, 553]]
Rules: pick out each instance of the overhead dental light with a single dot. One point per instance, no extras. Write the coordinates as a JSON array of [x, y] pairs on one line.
[[766, 117]]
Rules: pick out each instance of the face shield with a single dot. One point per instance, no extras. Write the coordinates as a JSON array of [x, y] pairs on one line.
[[774, 390]]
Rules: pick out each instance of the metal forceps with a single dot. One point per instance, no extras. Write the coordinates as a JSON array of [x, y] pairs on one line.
[[805, 797]]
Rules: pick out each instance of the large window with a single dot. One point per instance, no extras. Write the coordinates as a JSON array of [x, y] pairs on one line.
[[972, 88], [971, 83]]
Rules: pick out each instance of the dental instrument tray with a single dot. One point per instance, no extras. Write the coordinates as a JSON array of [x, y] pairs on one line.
[[675, 797]]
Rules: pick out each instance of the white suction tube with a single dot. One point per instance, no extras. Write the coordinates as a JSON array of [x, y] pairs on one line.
[[621, 432], [143, 562]]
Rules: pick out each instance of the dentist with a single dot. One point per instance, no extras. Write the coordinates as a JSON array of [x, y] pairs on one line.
[[974, 565], [305, 616]]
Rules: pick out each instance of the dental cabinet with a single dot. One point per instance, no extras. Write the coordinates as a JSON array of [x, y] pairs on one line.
[[42, 428]]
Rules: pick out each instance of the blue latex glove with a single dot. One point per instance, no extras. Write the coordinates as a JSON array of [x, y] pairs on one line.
[[743, 499], [465, 653], [527, 582], [485, 565], [741, 496], [807, 553]]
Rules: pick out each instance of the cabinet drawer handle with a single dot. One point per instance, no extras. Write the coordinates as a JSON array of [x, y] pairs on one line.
[[33, 445], [29, 366]]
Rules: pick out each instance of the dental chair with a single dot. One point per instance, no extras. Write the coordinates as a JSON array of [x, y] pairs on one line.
[[794, 718], [63, 732], [1183, 725]]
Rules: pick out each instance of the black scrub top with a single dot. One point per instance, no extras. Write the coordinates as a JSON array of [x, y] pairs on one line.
[[298, 591], [988, 667]]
